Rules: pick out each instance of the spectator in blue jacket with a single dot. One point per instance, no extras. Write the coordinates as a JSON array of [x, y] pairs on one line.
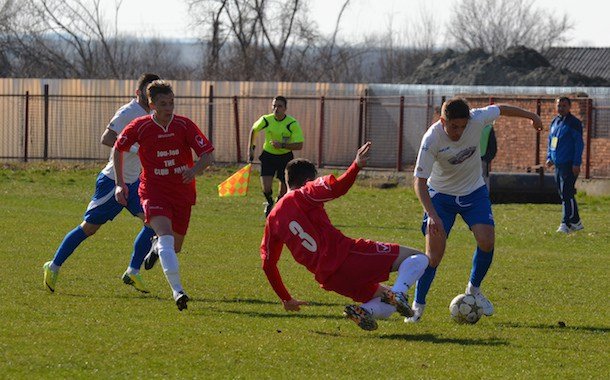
[[565, 153]]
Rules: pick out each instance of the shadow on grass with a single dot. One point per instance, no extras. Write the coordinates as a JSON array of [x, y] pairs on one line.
[[284, 314], [132, 295], [431, 338], [557, 326], [253, 301]]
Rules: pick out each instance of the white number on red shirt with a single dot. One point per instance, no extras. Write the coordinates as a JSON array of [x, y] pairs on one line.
[[306, 239]]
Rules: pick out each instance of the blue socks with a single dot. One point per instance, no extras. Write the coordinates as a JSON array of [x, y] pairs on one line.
[[69, 244], [423, 285], [481, 261], [141, 246]]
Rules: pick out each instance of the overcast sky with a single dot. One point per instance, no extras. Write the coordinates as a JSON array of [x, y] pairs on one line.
[[363, 17]]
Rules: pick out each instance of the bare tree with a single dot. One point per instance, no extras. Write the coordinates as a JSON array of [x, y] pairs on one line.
[[495, 25], [255, 39], [75, 39]]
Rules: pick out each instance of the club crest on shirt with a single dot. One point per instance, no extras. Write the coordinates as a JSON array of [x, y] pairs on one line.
[[463, 155], [200, 141], [383, 248]]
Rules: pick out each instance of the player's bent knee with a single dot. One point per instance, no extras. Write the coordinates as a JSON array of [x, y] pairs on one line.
[[90, 229], [434, 260]]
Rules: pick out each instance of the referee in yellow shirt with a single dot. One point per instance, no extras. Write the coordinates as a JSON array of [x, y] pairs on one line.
[[283, 134]]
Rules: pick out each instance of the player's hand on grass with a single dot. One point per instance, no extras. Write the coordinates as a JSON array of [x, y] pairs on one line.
[[121, 194], [363, 154], [293, 304]]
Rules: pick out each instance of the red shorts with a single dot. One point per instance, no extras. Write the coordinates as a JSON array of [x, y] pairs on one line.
[[368, 263], [179, 214]]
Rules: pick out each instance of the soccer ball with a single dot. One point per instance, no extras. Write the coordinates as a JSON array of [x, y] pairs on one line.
[[466, 308]]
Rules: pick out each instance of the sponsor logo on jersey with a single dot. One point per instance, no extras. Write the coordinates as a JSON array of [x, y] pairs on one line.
[[320, 182], [463, 155]]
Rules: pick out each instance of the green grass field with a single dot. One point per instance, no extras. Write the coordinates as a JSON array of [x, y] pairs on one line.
[[94, 326]]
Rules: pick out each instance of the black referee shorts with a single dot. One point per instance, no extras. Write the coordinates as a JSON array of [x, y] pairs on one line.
[[274, 164]]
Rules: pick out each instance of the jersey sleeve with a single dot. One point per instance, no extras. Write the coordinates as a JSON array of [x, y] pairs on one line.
[[327, 188], [296, 132], [486, 115], [127, 137], [260, 124], [271, 250], [197, 140], [579, 144], [425, 157], [119, 121]]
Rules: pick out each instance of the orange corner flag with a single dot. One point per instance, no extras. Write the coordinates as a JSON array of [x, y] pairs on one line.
[[237, 184]]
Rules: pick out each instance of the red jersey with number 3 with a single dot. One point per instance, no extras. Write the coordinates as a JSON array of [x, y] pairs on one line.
[[299, 221], [165, 153]]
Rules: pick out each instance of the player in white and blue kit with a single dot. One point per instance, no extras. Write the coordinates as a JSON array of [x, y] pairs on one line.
[[448, 181], [103, 206]]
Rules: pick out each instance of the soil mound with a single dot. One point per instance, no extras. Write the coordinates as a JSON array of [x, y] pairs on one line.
[[517, 66]]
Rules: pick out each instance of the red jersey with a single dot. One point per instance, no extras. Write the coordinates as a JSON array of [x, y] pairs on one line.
[[165, 153], [299, 220]]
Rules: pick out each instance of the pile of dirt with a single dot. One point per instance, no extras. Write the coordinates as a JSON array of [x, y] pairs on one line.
[[517, 66]]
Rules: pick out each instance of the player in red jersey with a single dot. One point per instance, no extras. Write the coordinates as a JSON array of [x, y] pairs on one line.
[[167, 182], [351, 267]]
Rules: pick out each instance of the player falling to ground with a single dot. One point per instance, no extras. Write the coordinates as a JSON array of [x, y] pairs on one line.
[[448, 182], [351, 267], [103, 207], [167, 186]]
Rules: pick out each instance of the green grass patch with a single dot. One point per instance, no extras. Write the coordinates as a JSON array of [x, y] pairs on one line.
[[550, 292]]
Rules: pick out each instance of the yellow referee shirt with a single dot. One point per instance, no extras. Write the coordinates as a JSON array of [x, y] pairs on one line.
[[285, 131]]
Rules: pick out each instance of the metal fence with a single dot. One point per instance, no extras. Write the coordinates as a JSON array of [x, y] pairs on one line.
[[68, 127]]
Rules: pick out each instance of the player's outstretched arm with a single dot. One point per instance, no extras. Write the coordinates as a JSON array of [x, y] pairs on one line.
[[508, 110]]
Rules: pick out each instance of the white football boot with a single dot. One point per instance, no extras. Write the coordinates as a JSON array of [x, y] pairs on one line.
[[488, 307], [418, 311]]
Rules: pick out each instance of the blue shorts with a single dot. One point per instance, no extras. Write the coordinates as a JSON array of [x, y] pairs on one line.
[[104, 207], [475, 208]]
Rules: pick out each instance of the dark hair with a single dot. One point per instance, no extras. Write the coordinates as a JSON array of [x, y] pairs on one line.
[[455, 108], [144, 80], [564, 99], [299, 171], [281, 99], [158, 87]]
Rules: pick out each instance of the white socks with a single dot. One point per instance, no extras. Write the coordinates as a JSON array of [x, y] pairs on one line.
[[379, 310], [169, 262], [409, 271]]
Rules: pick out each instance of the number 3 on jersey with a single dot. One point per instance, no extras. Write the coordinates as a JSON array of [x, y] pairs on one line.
[[306, 239]]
